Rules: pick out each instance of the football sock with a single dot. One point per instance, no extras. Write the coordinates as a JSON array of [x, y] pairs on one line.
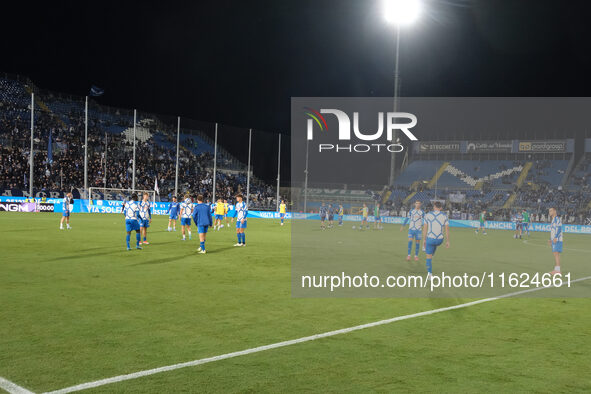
[[409, 247], [127, 239], [417, 246], [202, 245], [243, 238], [238, 236], [557, 268], [429, 266], [137, 239], [144, 238]]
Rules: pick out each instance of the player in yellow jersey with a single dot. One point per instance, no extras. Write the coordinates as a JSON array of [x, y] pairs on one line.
[[365, 214], [282, 211], [341, 213], [219, 214]]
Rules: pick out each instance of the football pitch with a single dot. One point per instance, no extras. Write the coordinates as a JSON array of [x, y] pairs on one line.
[[76, 307]]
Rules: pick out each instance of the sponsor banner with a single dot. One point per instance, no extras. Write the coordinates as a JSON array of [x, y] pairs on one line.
[[262, 214], [18, 207], [14, 204], [493, 225], [37, 193], [541, 227], [489, 146], [441, 146], [111, 206], [37, 200], [542, 146], [45, 207]]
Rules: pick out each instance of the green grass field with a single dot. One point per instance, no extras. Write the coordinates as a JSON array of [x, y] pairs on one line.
[[77, 307]]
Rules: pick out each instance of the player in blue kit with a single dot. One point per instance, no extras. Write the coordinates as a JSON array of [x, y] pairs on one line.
[[66, 212], [435, 224], [202, 219], [240, 213], [145, 217], [330, 215], [186, 212], [415, 219], [518, 219], [226, 210], [131, 211], [173, 214], [555, 240], [323, 212]]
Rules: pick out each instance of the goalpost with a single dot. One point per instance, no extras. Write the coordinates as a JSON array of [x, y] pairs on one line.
[[109, 193]]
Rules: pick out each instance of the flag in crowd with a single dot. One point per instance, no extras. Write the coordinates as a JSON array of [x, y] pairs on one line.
[[95, 91]]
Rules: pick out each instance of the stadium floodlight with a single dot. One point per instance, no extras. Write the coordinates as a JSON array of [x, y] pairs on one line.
[[402, 12], [399, 13]]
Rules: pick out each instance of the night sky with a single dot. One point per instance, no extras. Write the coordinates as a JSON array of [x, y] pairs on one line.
[[239, 62]]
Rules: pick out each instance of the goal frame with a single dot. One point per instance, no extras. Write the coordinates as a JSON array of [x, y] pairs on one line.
[[113, 190]]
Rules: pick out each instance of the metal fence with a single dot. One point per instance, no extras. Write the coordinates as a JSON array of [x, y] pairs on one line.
[[78, 143]]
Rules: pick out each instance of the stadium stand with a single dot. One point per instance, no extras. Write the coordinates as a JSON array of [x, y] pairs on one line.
[[61, 118], [501, 186]]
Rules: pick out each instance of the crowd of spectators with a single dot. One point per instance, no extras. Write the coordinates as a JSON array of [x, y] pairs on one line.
[[572, 204], [110, 159], [582, 175]]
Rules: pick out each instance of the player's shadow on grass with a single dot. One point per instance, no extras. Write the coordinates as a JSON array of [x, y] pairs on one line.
[[165, 260], [81, 256], [216, 250]]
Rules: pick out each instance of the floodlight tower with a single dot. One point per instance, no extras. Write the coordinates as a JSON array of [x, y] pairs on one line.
[[399, 13]]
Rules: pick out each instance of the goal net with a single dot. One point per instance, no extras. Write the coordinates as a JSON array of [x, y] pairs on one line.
[[106, 193]]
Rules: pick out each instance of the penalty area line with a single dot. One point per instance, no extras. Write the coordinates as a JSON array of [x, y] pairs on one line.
[[147, 372], [12, 388]]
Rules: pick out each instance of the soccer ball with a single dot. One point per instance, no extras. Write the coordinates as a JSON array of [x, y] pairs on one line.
[[353, 227]]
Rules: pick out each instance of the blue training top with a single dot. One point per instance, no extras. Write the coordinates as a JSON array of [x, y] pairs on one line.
[[202, 215]]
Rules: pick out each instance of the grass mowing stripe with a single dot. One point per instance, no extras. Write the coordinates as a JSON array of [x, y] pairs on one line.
[[525, 241], [12, 388], [193, 363]]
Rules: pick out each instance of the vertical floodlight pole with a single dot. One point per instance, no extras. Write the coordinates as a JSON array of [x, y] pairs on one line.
[[31, 153], [133, 166], [306, 171], [105, 173], [215, 160], [278, 171], [396, 87], [86, 149], [248, 168], [176, 174]]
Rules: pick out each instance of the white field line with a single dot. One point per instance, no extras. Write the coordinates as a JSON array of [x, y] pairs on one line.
[[12, 388], [147, 372], [526, 241]]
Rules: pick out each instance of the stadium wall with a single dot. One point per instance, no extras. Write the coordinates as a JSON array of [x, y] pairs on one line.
[[160, 208]]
